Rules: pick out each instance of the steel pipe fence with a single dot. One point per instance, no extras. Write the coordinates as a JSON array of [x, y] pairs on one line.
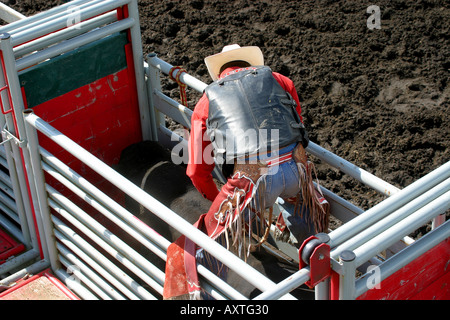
[[68, 210]]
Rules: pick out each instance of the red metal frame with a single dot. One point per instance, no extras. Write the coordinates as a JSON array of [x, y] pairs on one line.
[[46, 273]]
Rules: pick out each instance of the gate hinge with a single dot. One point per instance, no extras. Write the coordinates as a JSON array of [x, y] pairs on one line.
[[315, 252]]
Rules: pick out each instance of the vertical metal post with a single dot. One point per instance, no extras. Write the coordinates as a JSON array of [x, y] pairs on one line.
[[41, 193], [154, 83], [347, 278], [14, 156], [138, 58], [322, 290]]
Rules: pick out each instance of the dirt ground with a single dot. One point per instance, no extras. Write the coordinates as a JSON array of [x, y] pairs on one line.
[[379, 98]]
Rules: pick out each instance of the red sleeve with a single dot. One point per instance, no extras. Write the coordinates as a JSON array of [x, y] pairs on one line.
[[201, 161], [289, 86]]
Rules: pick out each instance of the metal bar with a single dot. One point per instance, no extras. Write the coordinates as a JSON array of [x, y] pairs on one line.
[[286, 285], [89, 255], [34, 268], [35, 19], [42, 28], [161, 243], [64, 34], [352, 170], [30, 222], [322, 290], [18, 261], [138, 59], [392, 219], [173, 109], [347, 275], [9, 14], [185, 78], [389, 205], [150, 203], [71, 44], [99, 262], [37, 179], [74, 285], [84, 274], [403, 227], [407, 255], [106, 240], [99, 207], [79, 276]]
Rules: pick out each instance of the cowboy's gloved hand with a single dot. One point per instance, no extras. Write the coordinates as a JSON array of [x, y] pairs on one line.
[[305, 138]]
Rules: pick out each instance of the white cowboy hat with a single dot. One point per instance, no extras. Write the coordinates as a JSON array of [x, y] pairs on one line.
[[250, 54]]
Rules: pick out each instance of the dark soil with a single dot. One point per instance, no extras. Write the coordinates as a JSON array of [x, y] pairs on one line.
[[379, 98]]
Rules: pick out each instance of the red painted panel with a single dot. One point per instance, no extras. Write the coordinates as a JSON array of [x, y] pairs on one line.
[[427, 277], [102, 117]]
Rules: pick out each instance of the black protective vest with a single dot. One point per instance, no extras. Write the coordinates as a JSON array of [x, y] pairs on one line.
[[250, 113]]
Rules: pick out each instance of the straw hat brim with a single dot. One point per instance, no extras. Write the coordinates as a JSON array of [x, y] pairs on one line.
[[251, 54]]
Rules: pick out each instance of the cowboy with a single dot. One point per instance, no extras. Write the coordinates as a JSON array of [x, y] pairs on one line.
[[250, 117], [248, 121]]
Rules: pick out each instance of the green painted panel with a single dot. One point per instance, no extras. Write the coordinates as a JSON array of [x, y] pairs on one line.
[[74, 69]]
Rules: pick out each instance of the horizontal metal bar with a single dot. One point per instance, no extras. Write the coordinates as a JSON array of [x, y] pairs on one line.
[[41, 16], [389, 205], [136, 224], [64, 34], [71, 44], [79, 276], [112, 244], [392, 219], [19, 260], [108, 214], [55, 23], [352, 170], [402, 228], [286, 285], [240, 267], [74, 285], [173, 109], [97, 261], [406, 256], [185, 78], [9, 14]]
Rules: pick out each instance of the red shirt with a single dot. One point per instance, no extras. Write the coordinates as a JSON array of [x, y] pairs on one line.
[[201, 161]]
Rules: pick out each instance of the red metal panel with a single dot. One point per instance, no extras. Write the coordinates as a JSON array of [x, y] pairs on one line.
[[8, 247], [425, 278]]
